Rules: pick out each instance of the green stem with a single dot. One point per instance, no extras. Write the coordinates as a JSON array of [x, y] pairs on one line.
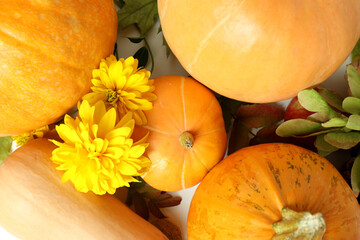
[[187, 140], [299, 225]]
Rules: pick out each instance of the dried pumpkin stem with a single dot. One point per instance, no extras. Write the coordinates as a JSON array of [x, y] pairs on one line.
[[299, 225], [187, 140]]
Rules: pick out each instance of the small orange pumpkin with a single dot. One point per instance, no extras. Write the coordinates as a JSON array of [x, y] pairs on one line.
[[260, 51], [36, 205], [244, 195], [187, 134], [47, 52]]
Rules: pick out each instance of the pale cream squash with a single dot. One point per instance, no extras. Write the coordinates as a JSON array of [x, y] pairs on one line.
[[34, 204]]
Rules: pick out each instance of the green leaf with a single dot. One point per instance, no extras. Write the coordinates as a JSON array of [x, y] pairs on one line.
[[142, 13], [143, 56], [343, 140], [354, 122], [355, 175], [351, 105], [353, 78], [318, 117], [164, 43], [334, 122], [312, 101], [296, 127], [5, 147], [331, 98], [259, 115], [119, 3], [136, 39], [324, 148], [355, 54], [326, 130]]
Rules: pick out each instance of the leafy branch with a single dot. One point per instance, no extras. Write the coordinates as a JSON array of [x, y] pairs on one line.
[[142, 14]]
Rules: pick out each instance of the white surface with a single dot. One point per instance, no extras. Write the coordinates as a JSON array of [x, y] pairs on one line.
[[167, 66]]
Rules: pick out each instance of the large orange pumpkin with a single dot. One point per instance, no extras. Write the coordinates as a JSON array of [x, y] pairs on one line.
[[187, 134], [47, 52], [36, 205], [250, 190], [260, 51]]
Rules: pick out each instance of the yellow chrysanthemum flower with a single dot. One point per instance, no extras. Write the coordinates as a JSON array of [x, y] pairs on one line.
[[98, 154], [23, 138], [122, 85]]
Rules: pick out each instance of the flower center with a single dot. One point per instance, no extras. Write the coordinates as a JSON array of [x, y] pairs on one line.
[[111, 96], [92, 155]]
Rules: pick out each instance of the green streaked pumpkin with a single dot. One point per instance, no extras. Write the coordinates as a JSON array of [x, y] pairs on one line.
[[246, 193]]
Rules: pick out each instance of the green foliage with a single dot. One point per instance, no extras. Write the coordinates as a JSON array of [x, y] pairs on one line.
[[296, 127], [343, 140], [353, 78], [351, 105], [335, 122], [355, 54], [165, 44], [119, 3], [323, 147], [142, 55], [331, 98], [5, 147], [312, 101], [142, 13], [355, 175], [353, 122]]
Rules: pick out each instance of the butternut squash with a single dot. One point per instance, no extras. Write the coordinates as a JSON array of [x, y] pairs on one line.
[[34, 204]]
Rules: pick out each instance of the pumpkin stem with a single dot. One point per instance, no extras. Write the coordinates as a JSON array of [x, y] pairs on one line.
[[187, 140], [299, 225]]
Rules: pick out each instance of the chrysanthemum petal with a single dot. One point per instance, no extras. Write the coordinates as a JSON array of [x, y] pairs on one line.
[[136, 151], [67, 134], [107, 123], [122, 132], [108, 83]]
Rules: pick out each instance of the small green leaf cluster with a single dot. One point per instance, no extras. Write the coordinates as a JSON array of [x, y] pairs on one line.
[[335, 121]]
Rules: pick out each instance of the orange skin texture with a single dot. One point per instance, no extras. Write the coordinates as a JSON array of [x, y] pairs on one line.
[[47, 53], [244, 194], [183, 104], [36, 205], [260, 51]]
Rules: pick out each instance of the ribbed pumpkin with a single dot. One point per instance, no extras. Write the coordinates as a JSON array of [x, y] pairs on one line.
[[187, 134], [260, 51], [246, 193], [36, 205], [47, 52]]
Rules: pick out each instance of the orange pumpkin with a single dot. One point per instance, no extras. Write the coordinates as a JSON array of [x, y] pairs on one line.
[[35, 204], [245, 194], [47, 52], [187, 134], [260, 51]]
